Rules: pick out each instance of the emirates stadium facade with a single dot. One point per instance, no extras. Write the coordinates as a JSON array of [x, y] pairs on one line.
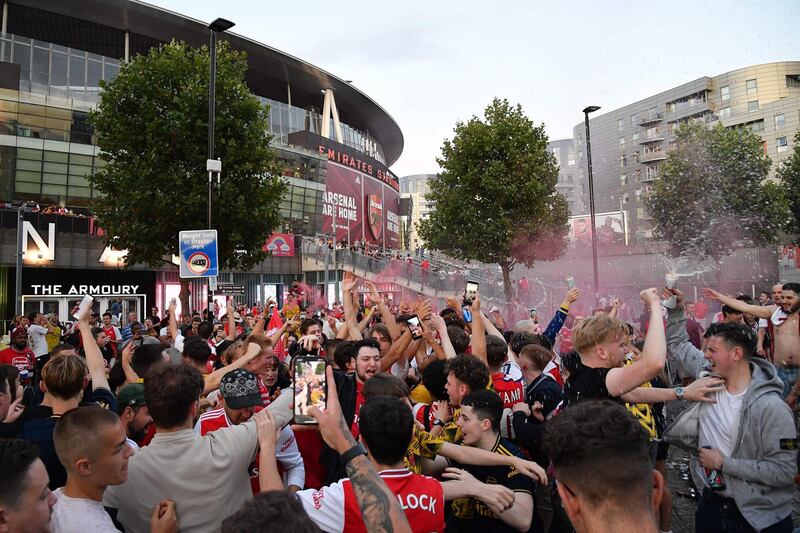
[[53, 55]]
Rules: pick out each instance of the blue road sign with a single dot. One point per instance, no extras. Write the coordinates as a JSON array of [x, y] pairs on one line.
[[198, 253]]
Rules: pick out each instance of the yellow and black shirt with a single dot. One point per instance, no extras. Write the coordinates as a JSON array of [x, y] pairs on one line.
[[469, 514]]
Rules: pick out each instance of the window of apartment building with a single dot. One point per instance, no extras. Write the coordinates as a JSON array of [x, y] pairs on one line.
[[652, 113], [725, 93], [625, 199], [635, 119], [621, 124], [725, 112], [752, 105], [757, 126], [652, 172], [622, 142], [752, 87], [623, 160], [783, 145], [793, 81], [569, 178], [640, 212], [638, 195], [557, 155], [623, 180], [780, 121], [635, 156], [637, 175], [571, 157], [580, 154], [635, 136]]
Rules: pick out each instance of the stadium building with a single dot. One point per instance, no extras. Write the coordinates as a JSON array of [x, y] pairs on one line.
[[336, 143]]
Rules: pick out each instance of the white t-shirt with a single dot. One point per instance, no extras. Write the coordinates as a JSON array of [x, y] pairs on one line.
[[77, 515], [719, 422], [38, 339]]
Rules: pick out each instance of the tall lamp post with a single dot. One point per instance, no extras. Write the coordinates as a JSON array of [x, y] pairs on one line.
[[586, 111], [213, 166], [25, 207]]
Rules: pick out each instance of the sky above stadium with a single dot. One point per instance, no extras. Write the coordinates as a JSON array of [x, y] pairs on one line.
[[431, 64]]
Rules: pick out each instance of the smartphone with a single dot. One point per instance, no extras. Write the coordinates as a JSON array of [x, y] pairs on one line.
[[470, 292], [415, 327], [467, 313], [310, 387], [571, 282], [533, 313]]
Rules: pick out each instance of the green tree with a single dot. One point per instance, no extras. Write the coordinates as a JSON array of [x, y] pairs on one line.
[[789, 174], [712, 195], [151, 129], [495, 199]]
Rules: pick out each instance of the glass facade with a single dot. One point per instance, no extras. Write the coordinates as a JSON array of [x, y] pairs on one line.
[[47, 147]]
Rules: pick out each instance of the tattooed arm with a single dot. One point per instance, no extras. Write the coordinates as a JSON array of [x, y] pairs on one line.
[[379, 506]]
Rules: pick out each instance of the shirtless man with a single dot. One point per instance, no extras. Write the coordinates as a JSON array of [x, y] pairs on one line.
[[783, 323]]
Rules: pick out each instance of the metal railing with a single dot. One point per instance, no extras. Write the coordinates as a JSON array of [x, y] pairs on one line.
[[387, 266]]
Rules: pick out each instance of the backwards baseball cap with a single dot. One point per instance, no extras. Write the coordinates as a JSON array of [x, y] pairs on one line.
[[240, 389], [131, 395]]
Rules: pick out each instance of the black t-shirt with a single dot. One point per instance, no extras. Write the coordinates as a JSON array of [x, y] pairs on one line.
[[470, 514], [37, 423], [587, 383]]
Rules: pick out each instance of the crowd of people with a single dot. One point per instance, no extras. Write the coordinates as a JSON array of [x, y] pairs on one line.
[[445, 417]]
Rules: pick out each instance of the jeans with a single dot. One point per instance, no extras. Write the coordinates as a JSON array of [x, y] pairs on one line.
[[788, 375], [717, 514]]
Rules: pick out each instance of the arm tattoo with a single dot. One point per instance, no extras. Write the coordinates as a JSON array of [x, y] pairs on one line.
[[379, 507]]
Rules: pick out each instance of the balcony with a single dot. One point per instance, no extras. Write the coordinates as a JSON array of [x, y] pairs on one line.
[[651, 118], [649, 157], [652, 138], [649, 177]]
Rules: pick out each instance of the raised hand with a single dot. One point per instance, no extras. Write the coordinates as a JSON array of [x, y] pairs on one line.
[[649, 296]]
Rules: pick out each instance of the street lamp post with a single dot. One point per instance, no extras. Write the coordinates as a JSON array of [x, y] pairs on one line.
[[586, 111], [213, 166], [20, 247]]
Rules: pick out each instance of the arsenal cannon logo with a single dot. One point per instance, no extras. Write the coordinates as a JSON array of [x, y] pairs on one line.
[[375, 215]]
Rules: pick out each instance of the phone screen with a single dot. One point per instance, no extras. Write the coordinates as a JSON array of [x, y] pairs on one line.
[[467, 312], [310, 387], [415, 327], [471, 291]]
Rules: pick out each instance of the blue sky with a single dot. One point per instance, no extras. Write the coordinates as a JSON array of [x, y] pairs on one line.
[[430, 64]]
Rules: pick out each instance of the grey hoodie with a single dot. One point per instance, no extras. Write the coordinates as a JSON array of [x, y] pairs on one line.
[[759, 474]]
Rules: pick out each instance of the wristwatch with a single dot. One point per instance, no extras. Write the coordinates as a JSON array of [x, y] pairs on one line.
[[680, 392], [352, 453]]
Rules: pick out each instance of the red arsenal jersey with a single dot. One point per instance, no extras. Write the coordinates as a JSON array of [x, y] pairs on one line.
[[335, 508]]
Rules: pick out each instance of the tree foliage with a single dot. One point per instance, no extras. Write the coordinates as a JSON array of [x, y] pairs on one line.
[[712, 195], [151, 128], [789, 175], [495, 199]]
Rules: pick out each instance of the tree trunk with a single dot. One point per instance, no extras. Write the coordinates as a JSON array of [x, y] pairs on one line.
[[507, 282], [718, 275], [184, 298]]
